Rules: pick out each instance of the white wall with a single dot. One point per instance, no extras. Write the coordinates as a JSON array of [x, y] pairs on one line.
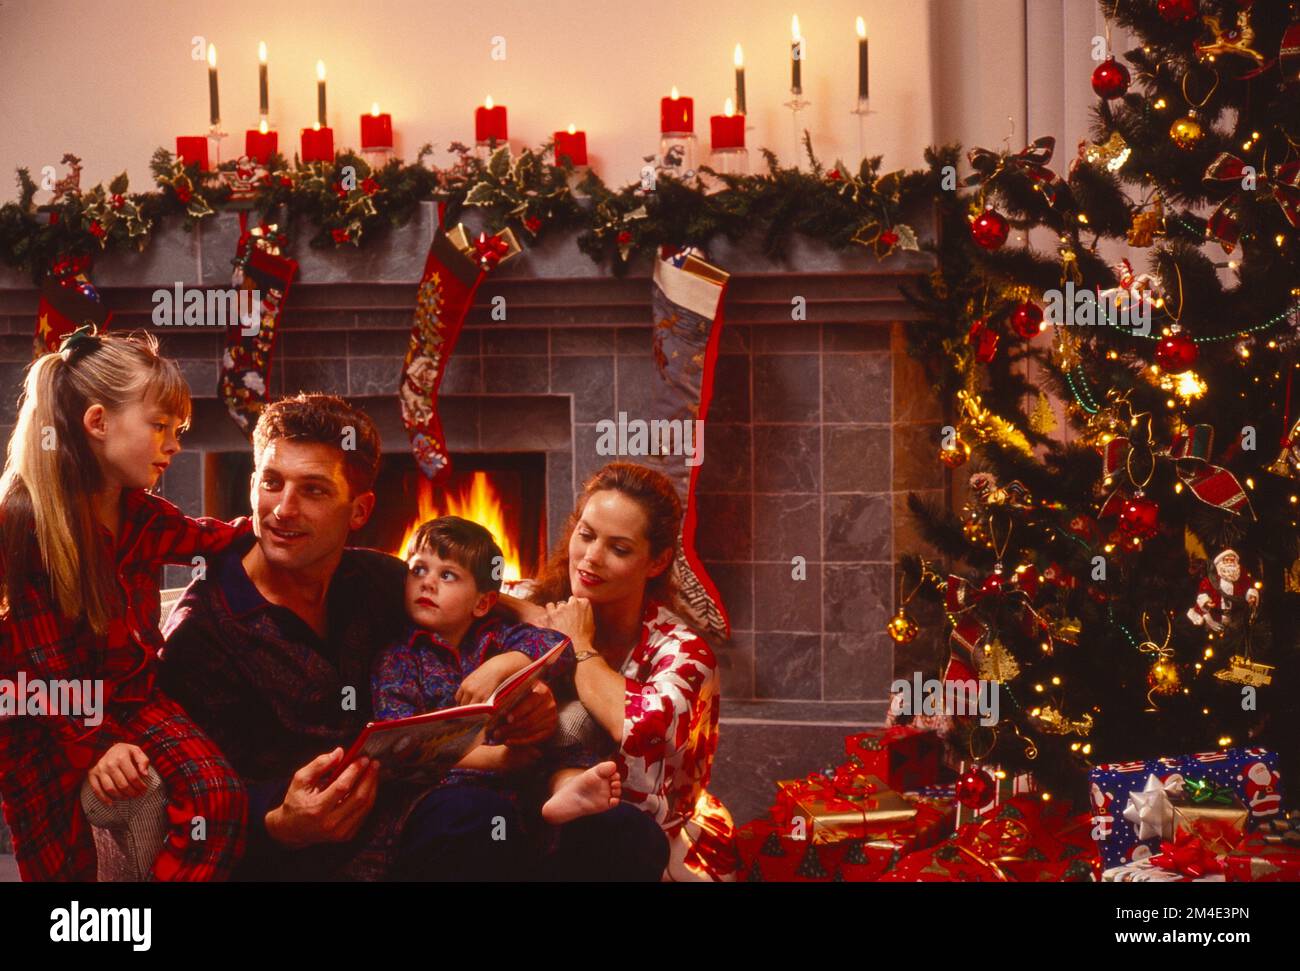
[[112, 80]]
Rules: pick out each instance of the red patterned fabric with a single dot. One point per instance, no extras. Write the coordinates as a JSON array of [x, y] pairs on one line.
[[44, 759], [670, 735]]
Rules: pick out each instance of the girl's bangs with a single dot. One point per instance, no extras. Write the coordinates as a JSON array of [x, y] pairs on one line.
[[167, 388]]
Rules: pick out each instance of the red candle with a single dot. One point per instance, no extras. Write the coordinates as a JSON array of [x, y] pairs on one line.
[[728, 129], [318, 144], [261, 145], [191, 149], [572, 145], [676, 114], [376, 129], [490, 122]]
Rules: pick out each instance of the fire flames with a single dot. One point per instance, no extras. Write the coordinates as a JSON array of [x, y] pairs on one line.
[[474, 500]]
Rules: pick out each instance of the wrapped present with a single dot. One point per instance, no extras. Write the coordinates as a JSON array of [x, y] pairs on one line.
[[768, 852], [1129, 813], [1024, 841], [1034, 841], [1210, 813], [1252, 773], [902, 756], [1269, 855], [1144, 871], [832, 814]]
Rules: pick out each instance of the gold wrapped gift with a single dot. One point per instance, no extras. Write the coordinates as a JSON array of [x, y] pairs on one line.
[[1219, 824], [868, 811]]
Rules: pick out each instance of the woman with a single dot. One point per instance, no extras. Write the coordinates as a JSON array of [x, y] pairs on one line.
[[645, 677]]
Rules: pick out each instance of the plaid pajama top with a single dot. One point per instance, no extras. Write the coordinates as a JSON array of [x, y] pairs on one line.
[[44, 759]]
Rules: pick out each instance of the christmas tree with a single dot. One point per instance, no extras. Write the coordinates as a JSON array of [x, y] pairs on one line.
[[1131, 579]]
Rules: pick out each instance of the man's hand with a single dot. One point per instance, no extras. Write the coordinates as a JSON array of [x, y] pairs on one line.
[[484, 679], [311, 815], [122, 772], [530, 722]]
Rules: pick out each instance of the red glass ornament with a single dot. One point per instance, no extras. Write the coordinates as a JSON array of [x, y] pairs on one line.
[[1027, 320], [1110, 79], [1176, 353], [975, 788], [985, 339], [1139, 517], [1177, 11], [989, 229], [992, 583]]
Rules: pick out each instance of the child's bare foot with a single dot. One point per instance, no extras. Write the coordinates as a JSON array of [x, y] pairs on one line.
[[594, 791]]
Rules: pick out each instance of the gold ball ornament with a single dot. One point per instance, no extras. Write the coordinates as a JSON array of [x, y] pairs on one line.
[[902, 628], [1163, 678], [957, 455], [1186, 133]]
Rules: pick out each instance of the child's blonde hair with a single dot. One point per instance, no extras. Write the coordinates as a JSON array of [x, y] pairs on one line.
[[50, 472]]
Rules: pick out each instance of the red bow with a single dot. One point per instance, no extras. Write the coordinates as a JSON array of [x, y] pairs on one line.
[[490, 249], [1224, 223], [1187, 856]]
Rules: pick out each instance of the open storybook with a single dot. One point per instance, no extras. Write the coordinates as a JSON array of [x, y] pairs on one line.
[[421, 748]]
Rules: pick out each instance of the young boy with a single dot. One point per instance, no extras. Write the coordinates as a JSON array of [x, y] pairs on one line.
[[456, 653]]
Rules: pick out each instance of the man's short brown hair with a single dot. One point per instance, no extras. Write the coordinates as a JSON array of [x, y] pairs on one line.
[[327, 420], [464, 542]]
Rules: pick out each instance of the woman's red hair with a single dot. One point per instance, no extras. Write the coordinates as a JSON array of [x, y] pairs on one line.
[[656, 496]]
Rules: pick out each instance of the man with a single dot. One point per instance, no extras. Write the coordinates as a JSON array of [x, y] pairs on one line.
[[269, 650]]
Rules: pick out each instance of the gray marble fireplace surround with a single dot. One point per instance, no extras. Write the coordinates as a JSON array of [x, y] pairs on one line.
[[818, 430]]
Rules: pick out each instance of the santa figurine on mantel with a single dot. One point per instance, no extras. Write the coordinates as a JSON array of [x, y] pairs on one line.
[[1220, 600]]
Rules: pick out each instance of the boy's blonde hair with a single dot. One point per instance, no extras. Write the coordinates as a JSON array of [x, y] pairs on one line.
[[50, 472]]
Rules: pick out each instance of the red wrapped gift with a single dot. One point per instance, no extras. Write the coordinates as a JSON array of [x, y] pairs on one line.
[[946, 863], [1033, 842], [1269, 855], [902, 756], [768, 853]]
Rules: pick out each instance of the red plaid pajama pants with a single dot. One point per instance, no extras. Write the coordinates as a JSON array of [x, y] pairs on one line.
[[42, 794]]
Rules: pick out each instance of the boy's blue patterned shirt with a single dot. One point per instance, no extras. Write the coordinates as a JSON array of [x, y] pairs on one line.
[[419, 672]]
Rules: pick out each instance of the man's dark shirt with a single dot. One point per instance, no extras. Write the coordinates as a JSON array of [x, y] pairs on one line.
[[264, 686]]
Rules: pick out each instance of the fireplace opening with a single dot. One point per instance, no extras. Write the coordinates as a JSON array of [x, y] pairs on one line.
[[504, 491]]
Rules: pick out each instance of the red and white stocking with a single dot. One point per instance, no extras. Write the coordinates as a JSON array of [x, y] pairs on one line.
[[264, 276]]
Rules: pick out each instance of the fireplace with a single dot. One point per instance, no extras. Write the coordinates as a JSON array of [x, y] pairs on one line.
[[504, 491]]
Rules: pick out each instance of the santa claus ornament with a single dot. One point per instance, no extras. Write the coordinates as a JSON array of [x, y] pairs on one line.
[[1224, 597]]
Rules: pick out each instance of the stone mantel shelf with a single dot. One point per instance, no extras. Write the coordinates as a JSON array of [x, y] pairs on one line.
[[552, 284]]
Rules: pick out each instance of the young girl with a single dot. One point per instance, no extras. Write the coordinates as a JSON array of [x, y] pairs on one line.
[[81, 542]]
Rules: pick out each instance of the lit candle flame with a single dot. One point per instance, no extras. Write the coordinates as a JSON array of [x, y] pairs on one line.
[[739, 57], [212, 55], [320, 70], [573, 129], [487, 102], [263, 127], [261, 51], [794, 27], [374, 109], [862, 29], [674, 95], [730, 109], [315, 126]]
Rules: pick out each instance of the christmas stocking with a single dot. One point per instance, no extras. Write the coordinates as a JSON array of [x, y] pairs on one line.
[[687, 301], [453, 271], [263, 277], [68, 300]]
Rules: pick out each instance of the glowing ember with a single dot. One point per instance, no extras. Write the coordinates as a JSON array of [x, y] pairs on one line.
[[474, 500]]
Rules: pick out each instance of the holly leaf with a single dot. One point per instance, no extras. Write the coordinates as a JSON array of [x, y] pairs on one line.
[[482, 194], [499, 164], [906, 237], [119, 184]]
